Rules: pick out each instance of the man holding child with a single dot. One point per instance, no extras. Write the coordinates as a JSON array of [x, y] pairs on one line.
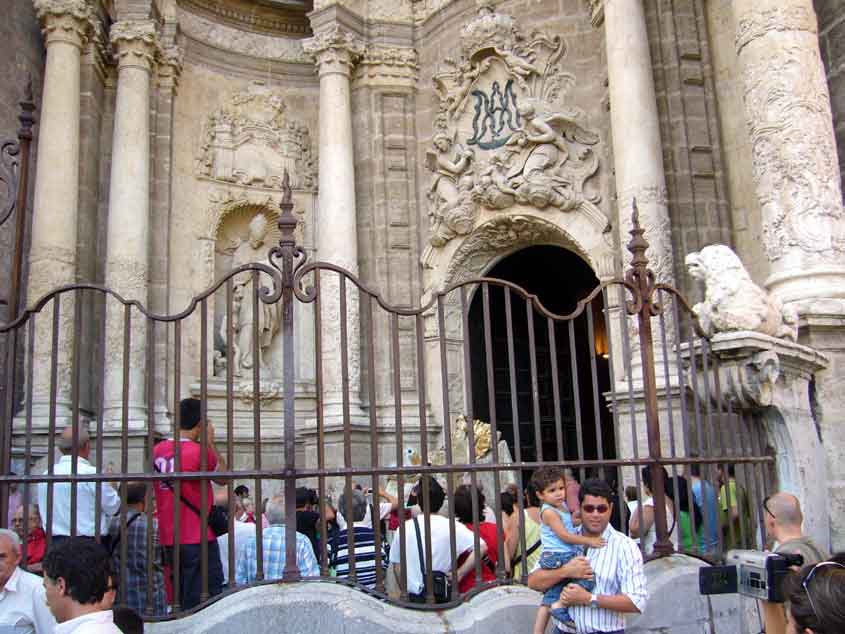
[[616, 568]]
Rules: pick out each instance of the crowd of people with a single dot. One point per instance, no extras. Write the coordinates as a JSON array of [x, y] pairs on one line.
[[570, 542]]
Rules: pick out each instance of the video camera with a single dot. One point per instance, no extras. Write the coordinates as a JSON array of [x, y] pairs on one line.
[[752, 573]]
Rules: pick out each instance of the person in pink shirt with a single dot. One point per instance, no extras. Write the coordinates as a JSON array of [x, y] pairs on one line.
[[190, 529]]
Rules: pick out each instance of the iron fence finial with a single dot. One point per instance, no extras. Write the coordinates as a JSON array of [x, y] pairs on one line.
[[287, 221], [638, 244], [27, 115]]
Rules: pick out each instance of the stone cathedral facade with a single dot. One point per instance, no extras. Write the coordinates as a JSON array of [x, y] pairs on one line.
[[426, 140]]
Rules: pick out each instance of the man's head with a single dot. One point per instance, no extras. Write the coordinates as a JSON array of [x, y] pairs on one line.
[[463, 505], [596, 506], [76, 577], [275, 511], [10, 554], [436, 495], [782, 516], [83, 441], [33, 519], [306, 499], [136, 495], [359, 505], [190, 414]]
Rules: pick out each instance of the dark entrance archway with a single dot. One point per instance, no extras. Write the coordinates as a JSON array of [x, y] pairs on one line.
[[559, 278]]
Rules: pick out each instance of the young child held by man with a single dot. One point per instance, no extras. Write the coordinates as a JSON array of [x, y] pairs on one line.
[[560, 543]]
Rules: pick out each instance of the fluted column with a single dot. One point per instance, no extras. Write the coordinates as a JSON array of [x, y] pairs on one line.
[[336, 51], [66, 26], [794, 156], [127, 256]]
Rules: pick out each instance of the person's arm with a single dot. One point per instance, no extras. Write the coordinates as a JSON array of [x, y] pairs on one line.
[[220, 460], [552, 519], [633, 592], [394, 501], [469, 562], [577, 568], [774, 618], [638, 525]]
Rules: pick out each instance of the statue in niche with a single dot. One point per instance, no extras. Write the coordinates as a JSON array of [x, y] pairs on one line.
[[244, 317], [452, 211], [732, 301]]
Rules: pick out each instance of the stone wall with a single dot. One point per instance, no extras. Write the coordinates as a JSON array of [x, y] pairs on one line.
[[831, 15], [21, 55]]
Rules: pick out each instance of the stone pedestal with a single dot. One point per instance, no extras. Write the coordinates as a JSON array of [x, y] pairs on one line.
[[770, 378], [127, 257], [52, 257]]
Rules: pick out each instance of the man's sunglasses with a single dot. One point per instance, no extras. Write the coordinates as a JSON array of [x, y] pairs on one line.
[[593, 508], [766, 507], [808, 578]]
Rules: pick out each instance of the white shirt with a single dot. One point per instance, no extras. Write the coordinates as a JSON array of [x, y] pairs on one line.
[[22, 605], [243, 532], [617, 569], [85, 497], [383, 509], [441, 553], [94, 623], [650, 538]]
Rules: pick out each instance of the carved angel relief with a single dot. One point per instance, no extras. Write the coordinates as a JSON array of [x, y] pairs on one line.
[[251, 141], [501, 136]]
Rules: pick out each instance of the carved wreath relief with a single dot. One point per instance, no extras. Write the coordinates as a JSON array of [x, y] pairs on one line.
[[502, 137], [251, 141]]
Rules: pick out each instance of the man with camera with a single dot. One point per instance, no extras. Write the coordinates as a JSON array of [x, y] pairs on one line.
[[783, 521]]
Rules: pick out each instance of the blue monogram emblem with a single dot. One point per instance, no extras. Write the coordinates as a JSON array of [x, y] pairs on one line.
[[495, 116]]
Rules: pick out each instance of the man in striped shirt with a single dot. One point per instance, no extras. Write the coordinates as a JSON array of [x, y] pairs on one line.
[[617, 569], [364, 547]]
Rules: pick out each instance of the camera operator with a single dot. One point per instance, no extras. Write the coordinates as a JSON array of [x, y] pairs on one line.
[[816, 599], [783, 522]]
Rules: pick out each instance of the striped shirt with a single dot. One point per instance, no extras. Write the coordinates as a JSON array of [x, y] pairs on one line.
[[617, 569], [365, 556]]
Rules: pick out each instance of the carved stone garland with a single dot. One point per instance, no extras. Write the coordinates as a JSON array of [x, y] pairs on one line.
[[502, 138]]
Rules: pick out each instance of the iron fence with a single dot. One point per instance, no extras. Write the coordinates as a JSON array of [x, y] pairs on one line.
[[361, 392]]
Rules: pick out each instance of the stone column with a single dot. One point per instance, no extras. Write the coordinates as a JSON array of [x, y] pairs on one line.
[[66, 25], [797, 179], [793, 148], [127, 255], [336, 52]]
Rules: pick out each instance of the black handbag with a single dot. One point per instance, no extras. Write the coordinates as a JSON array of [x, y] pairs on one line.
[[442, 586]]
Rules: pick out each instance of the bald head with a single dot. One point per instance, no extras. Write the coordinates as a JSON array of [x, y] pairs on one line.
[[66, 443], [786, 510]]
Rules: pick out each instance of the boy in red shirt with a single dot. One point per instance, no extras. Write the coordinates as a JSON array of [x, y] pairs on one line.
[[190, 531]]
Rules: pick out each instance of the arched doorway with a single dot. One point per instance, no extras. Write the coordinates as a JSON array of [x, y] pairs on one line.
[[559, 278]]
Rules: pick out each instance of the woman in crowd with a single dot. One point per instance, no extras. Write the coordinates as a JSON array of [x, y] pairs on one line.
[[816, 599], [486, 530], [513, 545], [642, 520]]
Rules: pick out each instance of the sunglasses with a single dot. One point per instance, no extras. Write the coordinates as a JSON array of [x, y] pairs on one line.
[[766, 507], [809, 577], [592, 508]]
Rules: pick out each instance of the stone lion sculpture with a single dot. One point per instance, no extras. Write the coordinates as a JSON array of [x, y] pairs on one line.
[[732, 301]]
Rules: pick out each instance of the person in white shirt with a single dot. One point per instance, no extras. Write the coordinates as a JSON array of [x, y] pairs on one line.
[[22, 606], [391, 503], [77, 577], [441, 552], [86, 511]]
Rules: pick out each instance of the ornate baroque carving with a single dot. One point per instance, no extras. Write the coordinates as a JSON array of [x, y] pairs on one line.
[[502, 137], [228, 201], [251, 141], [68, 21], [792, 141], [336, 50], [732, 301], [388, 63], [134, 42], [238, 41]]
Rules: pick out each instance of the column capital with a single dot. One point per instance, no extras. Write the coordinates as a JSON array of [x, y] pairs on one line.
[[388, 66], [335, 49], [170, 65], [66, 21], [134, 43]]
